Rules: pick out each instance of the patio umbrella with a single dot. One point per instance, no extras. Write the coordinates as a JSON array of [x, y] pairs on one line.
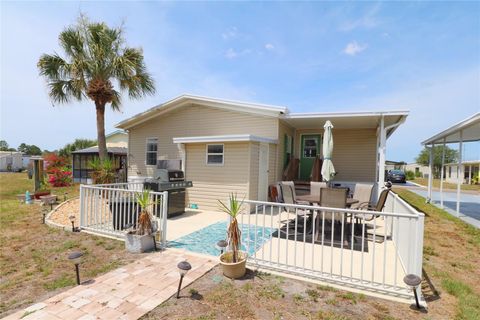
[[328, 171]]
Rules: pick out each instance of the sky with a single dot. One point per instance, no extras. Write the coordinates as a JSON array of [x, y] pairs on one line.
[[308, 56]]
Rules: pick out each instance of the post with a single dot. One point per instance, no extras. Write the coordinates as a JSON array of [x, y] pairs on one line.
[[164, 218], [430, 174], [470, 174], [381, 156], [78, 273], [82, 206], [459, 171], [441, 173], [420, 225]]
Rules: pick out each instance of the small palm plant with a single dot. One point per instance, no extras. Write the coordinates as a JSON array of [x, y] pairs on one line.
[[144, 226], [233, 232]]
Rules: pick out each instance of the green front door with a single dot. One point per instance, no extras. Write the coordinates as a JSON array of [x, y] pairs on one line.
[[310, 149]]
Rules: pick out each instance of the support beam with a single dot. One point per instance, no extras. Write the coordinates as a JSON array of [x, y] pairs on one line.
[[459, 171], [430, 175], [441, 173], [382, 155], [470, 174]]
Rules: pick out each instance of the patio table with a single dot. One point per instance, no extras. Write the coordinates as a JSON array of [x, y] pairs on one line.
[[312, 199]]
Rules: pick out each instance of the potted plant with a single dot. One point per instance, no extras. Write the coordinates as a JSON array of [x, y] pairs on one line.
[[140, 238], [233, 261]]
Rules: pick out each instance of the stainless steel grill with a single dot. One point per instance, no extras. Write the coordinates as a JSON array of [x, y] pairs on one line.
[[169, 177]]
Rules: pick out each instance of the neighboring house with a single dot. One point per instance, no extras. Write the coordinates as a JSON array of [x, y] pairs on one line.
[[241, 147], [117, 143], [470, 170], [11, 161], [418, 169], [394, 165]]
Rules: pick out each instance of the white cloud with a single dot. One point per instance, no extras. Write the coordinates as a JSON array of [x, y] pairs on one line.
[[269, 46], [230, 33], [232, 53], [354, 48]]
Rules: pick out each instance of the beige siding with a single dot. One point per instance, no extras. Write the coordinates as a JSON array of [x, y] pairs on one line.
[[283, 129], [212, 183], [354, 153], [188, 121], [117, 140], [272, 163]]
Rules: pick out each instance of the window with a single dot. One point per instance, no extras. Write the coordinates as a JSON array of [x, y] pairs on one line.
[[215, 154], [310, 148], [151, 155]]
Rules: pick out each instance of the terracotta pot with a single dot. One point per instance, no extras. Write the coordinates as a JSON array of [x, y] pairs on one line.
[[234, 270]]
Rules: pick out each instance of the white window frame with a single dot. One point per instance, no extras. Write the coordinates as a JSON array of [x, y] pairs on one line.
[[215, 154], [146, 151]]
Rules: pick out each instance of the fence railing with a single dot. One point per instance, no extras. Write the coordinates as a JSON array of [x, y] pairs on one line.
[[367, 250], [110, 209]]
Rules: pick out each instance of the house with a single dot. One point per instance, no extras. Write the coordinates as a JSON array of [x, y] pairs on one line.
[[394, 165], [419, 169], [11, 161], [228, 146], [117, 143], [470, 170]]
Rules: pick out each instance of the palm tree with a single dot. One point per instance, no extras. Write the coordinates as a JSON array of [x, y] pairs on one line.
[[96, 57]]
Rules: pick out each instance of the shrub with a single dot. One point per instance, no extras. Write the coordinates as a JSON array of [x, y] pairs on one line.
[[59, 174], [418, 174], [410, 175]]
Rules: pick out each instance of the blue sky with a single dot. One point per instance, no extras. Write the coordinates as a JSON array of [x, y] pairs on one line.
[[310, 57]]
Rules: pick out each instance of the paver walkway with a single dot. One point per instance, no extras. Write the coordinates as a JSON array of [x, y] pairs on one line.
[[125, 293]]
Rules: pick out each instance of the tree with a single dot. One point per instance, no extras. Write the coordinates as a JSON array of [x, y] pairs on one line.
[[96, 57], [78, 144], [31, 150], [5, 147], [424, 158]]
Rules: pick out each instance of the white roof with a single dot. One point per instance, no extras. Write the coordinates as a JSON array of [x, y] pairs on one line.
[[186, 99], [223, 138], [297, 120], [469, 127]]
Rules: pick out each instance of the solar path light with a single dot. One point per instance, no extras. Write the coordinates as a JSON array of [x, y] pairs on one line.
[[222, 245], [76, 258], [183, 268], [413, 281]]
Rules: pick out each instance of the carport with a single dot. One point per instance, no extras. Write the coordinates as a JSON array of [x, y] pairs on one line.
[[467, 130]]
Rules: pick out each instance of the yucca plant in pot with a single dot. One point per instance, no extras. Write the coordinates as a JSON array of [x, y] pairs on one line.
[[140, 238], [233, 261]]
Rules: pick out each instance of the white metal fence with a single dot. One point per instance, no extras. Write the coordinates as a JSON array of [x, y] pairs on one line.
[[361, 249], [110, 209]]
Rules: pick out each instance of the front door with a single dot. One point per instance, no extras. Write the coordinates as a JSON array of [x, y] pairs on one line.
[[310, 149]]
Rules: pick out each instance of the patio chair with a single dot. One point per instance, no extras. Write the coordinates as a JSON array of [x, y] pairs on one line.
[[363, 193], [315, 188], [291, 196], [332, 198], [382, 199]]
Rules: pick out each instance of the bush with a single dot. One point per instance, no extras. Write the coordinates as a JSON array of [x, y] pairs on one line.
[[418, 174], [410, 175], [59, 174]]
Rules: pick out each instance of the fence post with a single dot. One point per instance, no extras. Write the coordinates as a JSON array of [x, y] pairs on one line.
[[82, 206], [164, 218]]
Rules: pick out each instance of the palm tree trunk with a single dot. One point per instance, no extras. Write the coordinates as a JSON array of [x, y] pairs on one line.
[[102, 144]]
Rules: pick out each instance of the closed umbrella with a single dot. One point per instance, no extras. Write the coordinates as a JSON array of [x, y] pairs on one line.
[[328, 171]]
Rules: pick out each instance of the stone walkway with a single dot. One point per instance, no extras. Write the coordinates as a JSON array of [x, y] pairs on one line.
[[125, 293]]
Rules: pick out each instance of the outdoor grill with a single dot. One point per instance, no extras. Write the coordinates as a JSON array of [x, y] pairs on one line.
[[169, 177]]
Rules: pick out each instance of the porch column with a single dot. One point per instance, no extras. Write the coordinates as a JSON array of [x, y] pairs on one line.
[[441, 174], [381, 155], [470, 174], [459, 171], [430, 174]]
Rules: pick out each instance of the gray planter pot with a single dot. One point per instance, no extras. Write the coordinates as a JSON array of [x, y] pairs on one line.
[[138, 244]]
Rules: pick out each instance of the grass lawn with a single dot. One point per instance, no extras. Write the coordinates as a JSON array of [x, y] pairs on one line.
[[33, 257], [447, 185], [452, 288]]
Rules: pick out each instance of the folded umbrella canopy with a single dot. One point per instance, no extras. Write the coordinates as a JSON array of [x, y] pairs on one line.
[[328, 171]]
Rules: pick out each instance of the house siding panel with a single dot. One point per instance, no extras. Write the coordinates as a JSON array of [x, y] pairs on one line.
[[354, 153], [192, 120]]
